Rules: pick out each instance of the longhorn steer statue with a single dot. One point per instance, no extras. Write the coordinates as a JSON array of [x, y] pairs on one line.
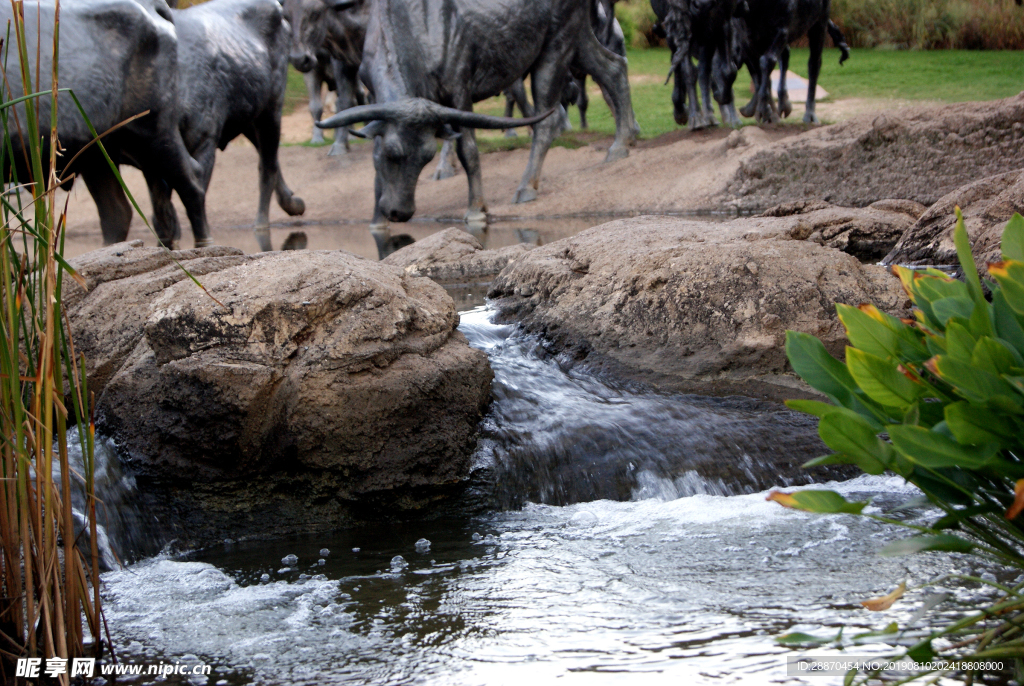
[[609, 34], [336, 28], [118, 56], [232, 72], [700, 29], [764, 34], [427, 61]]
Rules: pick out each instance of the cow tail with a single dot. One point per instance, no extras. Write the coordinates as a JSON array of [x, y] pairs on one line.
[[839, 40]]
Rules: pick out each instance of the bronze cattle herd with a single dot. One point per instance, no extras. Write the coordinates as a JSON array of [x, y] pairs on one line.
[[409, 70]]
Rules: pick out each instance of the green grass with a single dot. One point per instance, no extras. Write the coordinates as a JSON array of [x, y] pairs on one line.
[[940, 75], [944, 75]]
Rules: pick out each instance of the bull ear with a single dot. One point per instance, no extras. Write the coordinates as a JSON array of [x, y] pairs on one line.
[[374, 128], [340, 5], [446, 132]]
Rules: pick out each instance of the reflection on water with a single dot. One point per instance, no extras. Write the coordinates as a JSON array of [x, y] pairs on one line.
[[356, 238]]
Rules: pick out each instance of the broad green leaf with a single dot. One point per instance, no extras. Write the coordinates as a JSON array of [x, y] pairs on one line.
[[946, 308], [866, 333], [922, 652], [847, 432], [1017, 381], [822, 502], [1013, 239], [959, 342], [930, 414], [1008, 324], [992, 356], [798, 638], [976, 425], [814, 407], [963, 252], [881, 380], [933, 288], [1010, 275], [823, 372], [972, 383], [935, 451], [981, 322], [945, 542], [937, 345]]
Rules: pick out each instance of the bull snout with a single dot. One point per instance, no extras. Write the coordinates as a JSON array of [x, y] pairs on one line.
[[398, 214], [397, 209], [303, 61]]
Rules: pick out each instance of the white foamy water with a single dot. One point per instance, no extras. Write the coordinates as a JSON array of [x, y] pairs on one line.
[[685, 578], [697, 588]]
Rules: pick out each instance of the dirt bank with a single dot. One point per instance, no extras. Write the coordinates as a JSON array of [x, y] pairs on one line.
[[677, 172]]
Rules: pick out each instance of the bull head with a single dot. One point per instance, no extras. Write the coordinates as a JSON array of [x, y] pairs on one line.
[[405, 136]]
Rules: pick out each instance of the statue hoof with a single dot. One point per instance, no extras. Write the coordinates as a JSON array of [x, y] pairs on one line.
[[511, 133], [616, 152], [293, 206], [337, 150], [526, 194], [476, 217], [318, 137], [200, 243], [811, 118], [443, 173], [681, 117]]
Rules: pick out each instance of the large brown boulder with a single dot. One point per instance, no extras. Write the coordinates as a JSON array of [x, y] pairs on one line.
[[296, 389], [458, 261], [919, 154], [867, 233], [455, 256], [689, 305], [987, 204]]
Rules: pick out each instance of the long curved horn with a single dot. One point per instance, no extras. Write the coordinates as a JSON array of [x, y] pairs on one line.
[[361, 113], [472, 120]]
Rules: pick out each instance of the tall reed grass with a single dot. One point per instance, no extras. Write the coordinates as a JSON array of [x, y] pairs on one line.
[[899, 24], [47, 585]]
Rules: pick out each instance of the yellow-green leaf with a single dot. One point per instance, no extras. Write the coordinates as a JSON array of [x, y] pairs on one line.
[[846, 432], [1010, 275], [1013, 239], [935, 451], [822, 502], [881, 380], [867, 333]]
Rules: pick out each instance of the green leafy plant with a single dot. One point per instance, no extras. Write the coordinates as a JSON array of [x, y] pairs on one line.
[[939, 400]]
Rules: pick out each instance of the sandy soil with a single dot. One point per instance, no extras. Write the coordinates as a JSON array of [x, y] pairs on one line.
[[676, 172]]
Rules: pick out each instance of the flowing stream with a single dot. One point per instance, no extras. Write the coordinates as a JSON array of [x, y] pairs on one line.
[[631, 543]]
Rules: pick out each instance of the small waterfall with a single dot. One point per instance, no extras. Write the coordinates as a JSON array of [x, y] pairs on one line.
[[560, 437], [121, 532]]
